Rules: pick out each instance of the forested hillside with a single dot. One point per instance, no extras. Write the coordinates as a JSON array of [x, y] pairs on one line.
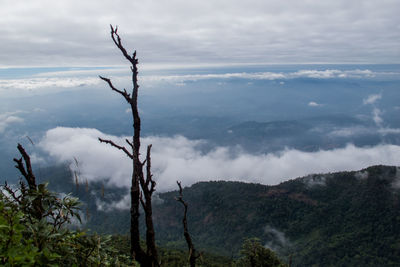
[[345, 218]]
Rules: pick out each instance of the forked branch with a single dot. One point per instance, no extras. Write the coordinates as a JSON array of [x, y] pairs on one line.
[[27, 170], [117, 41], [149, 176], [111, 143], [141, 187], [124, 93]]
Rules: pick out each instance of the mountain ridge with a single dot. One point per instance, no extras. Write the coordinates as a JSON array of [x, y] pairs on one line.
[[347, 218]]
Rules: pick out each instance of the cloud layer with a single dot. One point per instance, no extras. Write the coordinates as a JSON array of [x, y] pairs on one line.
[[45, 83], [61, 80], [8, 118], [76, 33], [179, 158], [304, 73]]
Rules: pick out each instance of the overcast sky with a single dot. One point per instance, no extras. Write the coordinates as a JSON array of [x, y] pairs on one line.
[[76, 33]]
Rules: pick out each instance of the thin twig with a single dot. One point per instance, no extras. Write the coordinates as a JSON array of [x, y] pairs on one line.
[[124, 93], [117, 146]]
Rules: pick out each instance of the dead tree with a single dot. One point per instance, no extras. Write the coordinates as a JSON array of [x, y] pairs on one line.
[[27, 172], [192, 251], [142, 187]]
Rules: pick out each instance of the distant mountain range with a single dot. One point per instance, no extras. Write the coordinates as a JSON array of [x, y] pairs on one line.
[[335, 219]]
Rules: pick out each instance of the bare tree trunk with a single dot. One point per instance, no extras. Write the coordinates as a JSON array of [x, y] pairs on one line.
[[27, 172], [148, 189], [139, 185], [192, 251]]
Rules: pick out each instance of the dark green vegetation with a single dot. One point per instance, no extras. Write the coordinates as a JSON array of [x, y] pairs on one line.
[[39, 227], [255, 254], [49, 240], [338, 219], [346, 218], [34, 232]]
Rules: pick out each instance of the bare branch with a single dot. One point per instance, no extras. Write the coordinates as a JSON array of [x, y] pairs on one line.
[[22, 188], [30, 140], [149, 175], [117, 41], [31, 179], [129, 143], [180, 197], [142, 201], [20, 167], [12, 193], [26, 172], [141, 188], [123, 93], [117, 146], [153, 186]]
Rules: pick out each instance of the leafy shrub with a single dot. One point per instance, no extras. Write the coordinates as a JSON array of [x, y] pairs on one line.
[[35, 229]]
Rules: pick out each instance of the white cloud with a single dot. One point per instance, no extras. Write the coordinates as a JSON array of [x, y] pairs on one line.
[[318, 74], [352, 131], [334, 73], [8, 118], [376, 112], [36, 159], [276, 239], [385, 131], [362, 175], [179, 158], [377, 117], [371, 99], [56, 81], [35, 86], [314, 104], [96, 161], [315, 74], [80, 72], [314, 180], [360, 130], [196, 77], [35, 83], [123, 204]]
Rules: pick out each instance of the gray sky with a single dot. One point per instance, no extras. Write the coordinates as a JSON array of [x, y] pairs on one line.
[[76, 33]]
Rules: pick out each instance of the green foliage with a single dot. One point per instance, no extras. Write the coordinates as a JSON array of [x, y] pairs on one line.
[[171, 257], [337, 219], [256, 255], [14, 250], [175, 257], [48, 240]]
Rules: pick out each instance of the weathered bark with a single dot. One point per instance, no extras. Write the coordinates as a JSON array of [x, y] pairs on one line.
[[27, 173], [148, 189], [30, 178], [139, 184], [192, 251]]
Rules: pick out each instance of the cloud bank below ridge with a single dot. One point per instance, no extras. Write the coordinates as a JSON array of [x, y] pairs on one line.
[[178, 158]]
